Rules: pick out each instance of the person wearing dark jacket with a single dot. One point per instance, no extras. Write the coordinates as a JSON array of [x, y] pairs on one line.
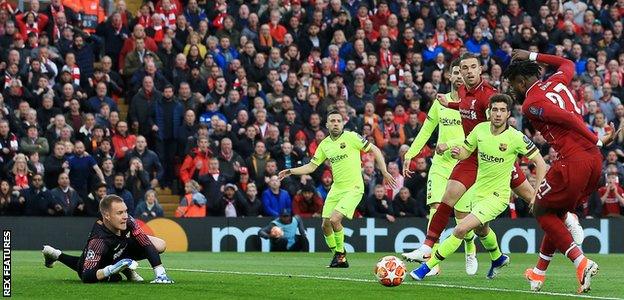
[[54, 165], [66, 202], [137, 180], [252, 205], [150, 208], [168, 115], [113, 32], [151, 162], [307, 204], [378, 206], [230, 204], [36, 197], [404, 205], [212, 184], [119, 189], [92, 203], [142, 107], [286, 233], [86, 48]]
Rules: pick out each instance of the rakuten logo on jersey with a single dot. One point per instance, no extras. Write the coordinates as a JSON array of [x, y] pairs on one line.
[[450, 122], [337, 158], [490, 158], [468, 114]]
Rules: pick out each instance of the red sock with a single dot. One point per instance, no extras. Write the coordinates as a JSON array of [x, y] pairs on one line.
[[554, 226], [547, 250], [438, 222]]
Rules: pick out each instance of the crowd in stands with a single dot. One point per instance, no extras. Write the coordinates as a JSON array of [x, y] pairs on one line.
[[224, 94]]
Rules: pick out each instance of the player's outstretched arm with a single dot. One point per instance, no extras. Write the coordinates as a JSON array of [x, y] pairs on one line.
[[381, 165], [421, 138], [563, 65], [303, 170]]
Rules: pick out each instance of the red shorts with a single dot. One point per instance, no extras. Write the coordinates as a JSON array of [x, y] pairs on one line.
[[466, 172], [568, 183]]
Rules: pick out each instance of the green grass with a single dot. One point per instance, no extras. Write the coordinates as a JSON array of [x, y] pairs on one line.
[[304, 276]]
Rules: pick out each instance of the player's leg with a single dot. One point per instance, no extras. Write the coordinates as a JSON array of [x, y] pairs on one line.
[[537, 275], [488, 239], [348, 201], [328, 230], [555, 198], [158, 243], [486, 210], [448, 246], [51, 255], [137, 251], [462, 210]]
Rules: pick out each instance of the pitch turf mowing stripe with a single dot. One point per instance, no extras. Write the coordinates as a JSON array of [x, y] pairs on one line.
[[442, 285]]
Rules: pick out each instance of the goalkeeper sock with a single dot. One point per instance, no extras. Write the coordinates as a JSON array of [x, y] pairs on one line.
[[331, 242], [491, 245], [448, 247], [339, 235], [159, 271]]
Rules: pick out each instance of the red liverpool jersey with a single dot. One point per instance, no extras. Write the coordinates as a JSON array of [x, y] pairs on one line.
[[552, 110]]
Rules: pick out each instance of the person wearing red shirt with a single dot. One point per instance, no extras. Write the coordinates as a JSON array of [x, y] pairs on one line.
[[196, 163], [128, 46], [122, 141], [612, 197], [307, 204], [382, 15], [551, 109], [277, 31]]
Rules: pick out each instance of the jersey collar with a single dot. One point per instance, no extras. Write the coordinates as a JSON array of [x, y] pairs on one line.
[[337, 138], [472, 90]]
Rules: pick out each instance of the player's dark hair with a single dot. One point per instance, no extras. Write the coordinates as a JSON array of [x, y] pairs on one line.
[[502, 98], [468, 55], [454, 63], [107, 202], [333, 112], [525, 68]]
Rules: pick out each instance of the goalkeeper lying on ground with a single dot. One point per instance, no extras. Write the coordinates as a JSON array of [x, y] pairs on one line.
[[115, 244]]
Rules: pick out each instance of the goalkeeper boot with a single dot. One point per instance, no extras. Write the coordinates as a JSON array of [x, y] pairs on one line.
[[420, 273], [535, 280], [340, 260], [416, 256], [584, 272], [497, 265], [574, 227], [132, 275], [162, 279], [50, 255], [472, 265]]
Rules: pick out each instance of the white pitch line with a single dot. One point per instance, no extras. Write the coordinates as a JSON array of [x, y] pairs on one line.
[[442, 285]]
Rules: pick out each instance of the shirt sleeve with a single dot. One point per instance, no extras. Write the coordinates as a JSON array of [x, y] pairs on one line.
[[357, 141], [319, 155], [425, 132], [565, 67], [554, 114], [137, 233], [525, 146], [95, 250]]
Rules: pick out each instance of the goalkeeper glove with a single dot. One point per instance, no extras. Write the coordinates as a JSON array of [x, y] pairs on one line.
[[120, 266]]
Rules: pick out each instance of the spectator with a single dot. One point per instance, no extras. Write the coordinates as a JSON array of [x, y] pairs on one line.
[[230, 162], [67, 201], [101, 96], [196, 163], [382, 133], [33, 143], [378, 205], [150, 160], [286, 233], [123, 141], [54, 165], [36, 198], [230, 204], [307, 204], [150, 208], [326, 181], [168, 118], [257, 161], [81, 167], [9, 145], [119, 189], [611, 197], [275, 199], [193, 204], [92, 202], [10, 203], [252, 206], [137, 180], [212, 184], [404, 205]]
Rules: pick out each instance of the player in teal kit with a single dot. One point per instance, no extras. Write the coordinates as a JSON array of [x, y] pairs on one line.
[[498, 147], [448, 122]]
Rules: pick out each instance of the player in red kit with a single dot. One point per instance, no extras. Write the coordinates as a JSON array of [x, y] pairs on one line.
[[474, 101], [552, 110]]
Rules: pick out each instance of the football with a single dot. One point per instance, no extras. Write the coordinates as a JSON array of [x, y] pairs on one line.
[[390, 271]]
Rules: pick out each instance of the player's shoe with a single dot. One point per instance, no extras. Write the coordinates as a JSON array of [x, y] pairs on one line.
[[50, 255], [434, 271], [162, 279], [574, 227], [584, 272], [535, 280], [472, 265], [497, 264], [420, 273], [339, 260], [132, 275], [416, 256]]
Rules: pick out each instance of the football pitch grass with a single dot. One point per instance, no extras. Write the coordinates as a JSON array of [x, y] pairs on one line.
[[204, 275]]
